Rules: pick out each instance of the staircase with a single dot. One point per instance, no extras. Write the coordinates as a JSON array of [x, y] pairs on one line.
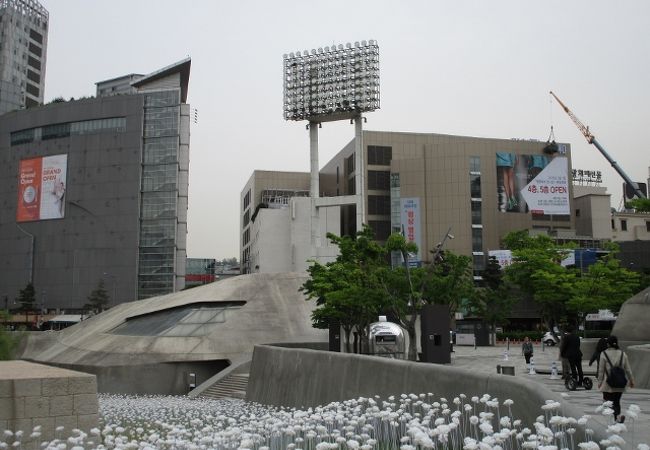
[[232, 386]]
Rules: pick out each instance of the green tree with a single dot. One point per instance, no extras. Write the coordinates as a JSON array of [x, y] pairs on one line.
[[347, 290], [639, 204], [605, 285], [27, 298], [537, 271], [494, 300], [98, 298], [8, 341], [446, 280]]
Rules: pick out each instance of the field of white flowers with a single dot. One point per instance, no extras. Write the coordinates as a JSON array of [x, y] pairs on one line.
[[407, 422]]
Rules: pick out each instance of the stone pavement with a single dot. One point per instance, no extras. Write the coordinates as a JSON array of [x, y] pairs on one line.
[[487, 358]]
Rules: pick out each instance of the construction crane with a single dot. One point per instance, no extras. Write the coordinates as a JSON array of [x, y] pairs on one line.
[[592, 140]]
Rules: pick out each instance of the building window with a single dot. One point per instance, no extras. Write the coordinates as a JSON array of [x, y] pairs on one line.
[[623, 225], [613, 225], [379, 205], [475, 164], [577, 213], [379, 180], [381, 229], [475, 186], [379, 155], [476, 212], [647, 226], [247, 199], [247, 217], [349, 164], [477, 240]]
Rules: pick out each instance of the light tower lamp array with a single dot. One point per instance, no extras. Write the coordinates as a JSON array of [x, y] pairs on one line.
[[332, 83]]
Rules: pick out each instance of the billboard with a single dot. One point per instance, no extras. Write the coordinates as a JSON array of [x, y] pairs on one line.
[[535, 183], [41, 188], [410, 218]]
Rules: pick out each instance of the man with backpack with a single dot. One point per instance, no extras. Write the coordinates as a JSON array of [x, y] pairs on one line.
[[614, 375]]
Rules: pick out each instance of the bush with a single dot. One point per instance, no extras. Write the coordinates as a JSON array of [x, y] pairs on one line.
[[519, 335]]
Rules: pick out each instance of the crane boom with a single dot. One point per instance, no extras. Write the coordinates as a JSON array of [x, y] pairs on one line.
[[592, 140]]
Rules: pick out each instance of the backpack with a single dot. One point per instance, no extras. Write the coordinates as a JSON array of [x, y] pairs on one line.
[[616, 377]]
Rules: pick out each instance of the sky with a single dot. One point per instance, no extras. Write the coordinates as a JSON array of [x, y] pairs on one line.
[[471, 68]]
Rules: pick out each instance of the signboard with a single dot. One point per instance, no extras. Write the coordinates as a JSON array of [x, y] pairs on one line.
[[41, 188], [410, 218], [535, 183], [503, 257], [548, 192]]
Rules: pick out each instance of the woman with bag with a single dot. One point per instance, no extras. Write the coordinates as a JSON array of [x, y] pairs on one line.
[[612, 383]]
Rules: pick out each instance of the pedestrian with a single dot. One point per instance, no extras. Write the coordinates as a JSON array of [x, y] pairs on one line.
[[527, 349], [613, 356], [570, 349], [566, 368], [602, 345]]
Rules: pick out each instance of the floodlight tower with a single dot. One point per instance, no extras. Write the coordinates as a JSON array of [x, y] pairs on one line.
[[328, 84]]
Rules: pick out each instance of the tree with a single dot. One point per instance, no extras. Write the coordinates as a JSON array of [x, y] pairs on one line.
[[537, 271], [27, 298], [347, 290], [446, 280], [494, 300], [605, 285], [98, 298], [8, 341], [639, 204]]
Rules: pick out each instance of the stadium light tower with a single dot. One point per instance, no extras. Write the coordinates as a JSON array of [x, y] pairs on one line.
[[328, 84]]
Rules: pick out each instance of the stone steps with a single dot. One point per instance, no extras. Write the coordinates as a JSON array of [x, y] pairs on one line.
[[232, 386]]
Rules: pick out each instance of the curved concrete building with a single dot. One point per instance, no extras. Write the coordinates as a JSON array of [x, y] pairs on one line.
[[633, 334], [165, 344]]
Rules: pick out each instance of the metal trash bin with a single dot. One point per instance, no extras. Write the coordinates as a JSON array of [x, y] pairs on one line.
[[387, 339]]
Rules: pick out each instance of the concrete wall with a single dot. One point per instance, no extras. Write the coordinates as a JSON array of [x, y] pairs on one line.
[[34, 394], [303, 378], [150, 379]]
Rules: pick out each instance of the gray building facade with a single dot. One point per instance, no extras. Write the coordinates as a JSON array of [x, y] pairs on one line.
[[122, 212], [23, 49]]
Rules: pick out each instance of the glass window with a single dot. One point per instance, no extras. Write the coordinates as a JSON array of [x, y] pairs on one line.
[[476, 213], [161, 150], [475, 186], [381, 229], [379, 155], [475, 164], [623, 225], [159, 178], [477, 240], [379, 205], [479, 262], [164, 98], [379, 180]]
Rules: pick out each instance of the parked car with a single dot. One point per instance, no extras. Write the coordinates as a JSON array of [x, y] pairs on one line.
[[550, 339]]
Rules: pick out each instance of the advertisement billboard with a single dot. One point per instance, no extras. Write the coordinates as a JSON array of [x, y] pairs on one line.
[[41, 188], [410, 217], [535, 183]]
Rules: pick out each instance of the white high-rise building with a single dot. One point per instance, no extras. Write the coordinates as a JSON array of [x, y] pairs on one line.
[[23, 49]]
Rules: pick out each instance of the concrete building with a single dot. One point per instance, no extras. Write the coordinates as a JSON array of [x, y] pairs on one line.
[[96, 189], [23, 50], [424, 184], [591, 207]]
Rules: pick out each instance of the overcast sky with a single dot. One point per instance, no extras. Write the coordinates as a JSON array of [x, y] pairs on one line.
[[474, 68]]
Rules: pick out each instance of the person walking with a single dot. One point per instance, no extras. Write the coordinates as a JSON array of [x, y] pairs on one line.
[[595, 357], [527, 349], [613, 356], [570, 349]]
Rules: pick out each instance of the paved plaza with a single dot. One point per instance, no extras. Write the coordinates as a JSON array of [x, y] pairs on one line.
[[486, 359]]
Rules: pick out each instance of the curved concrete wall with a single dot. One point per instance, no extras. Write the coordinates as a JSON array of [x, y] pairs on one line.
[[639, 355], [304, 378]]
